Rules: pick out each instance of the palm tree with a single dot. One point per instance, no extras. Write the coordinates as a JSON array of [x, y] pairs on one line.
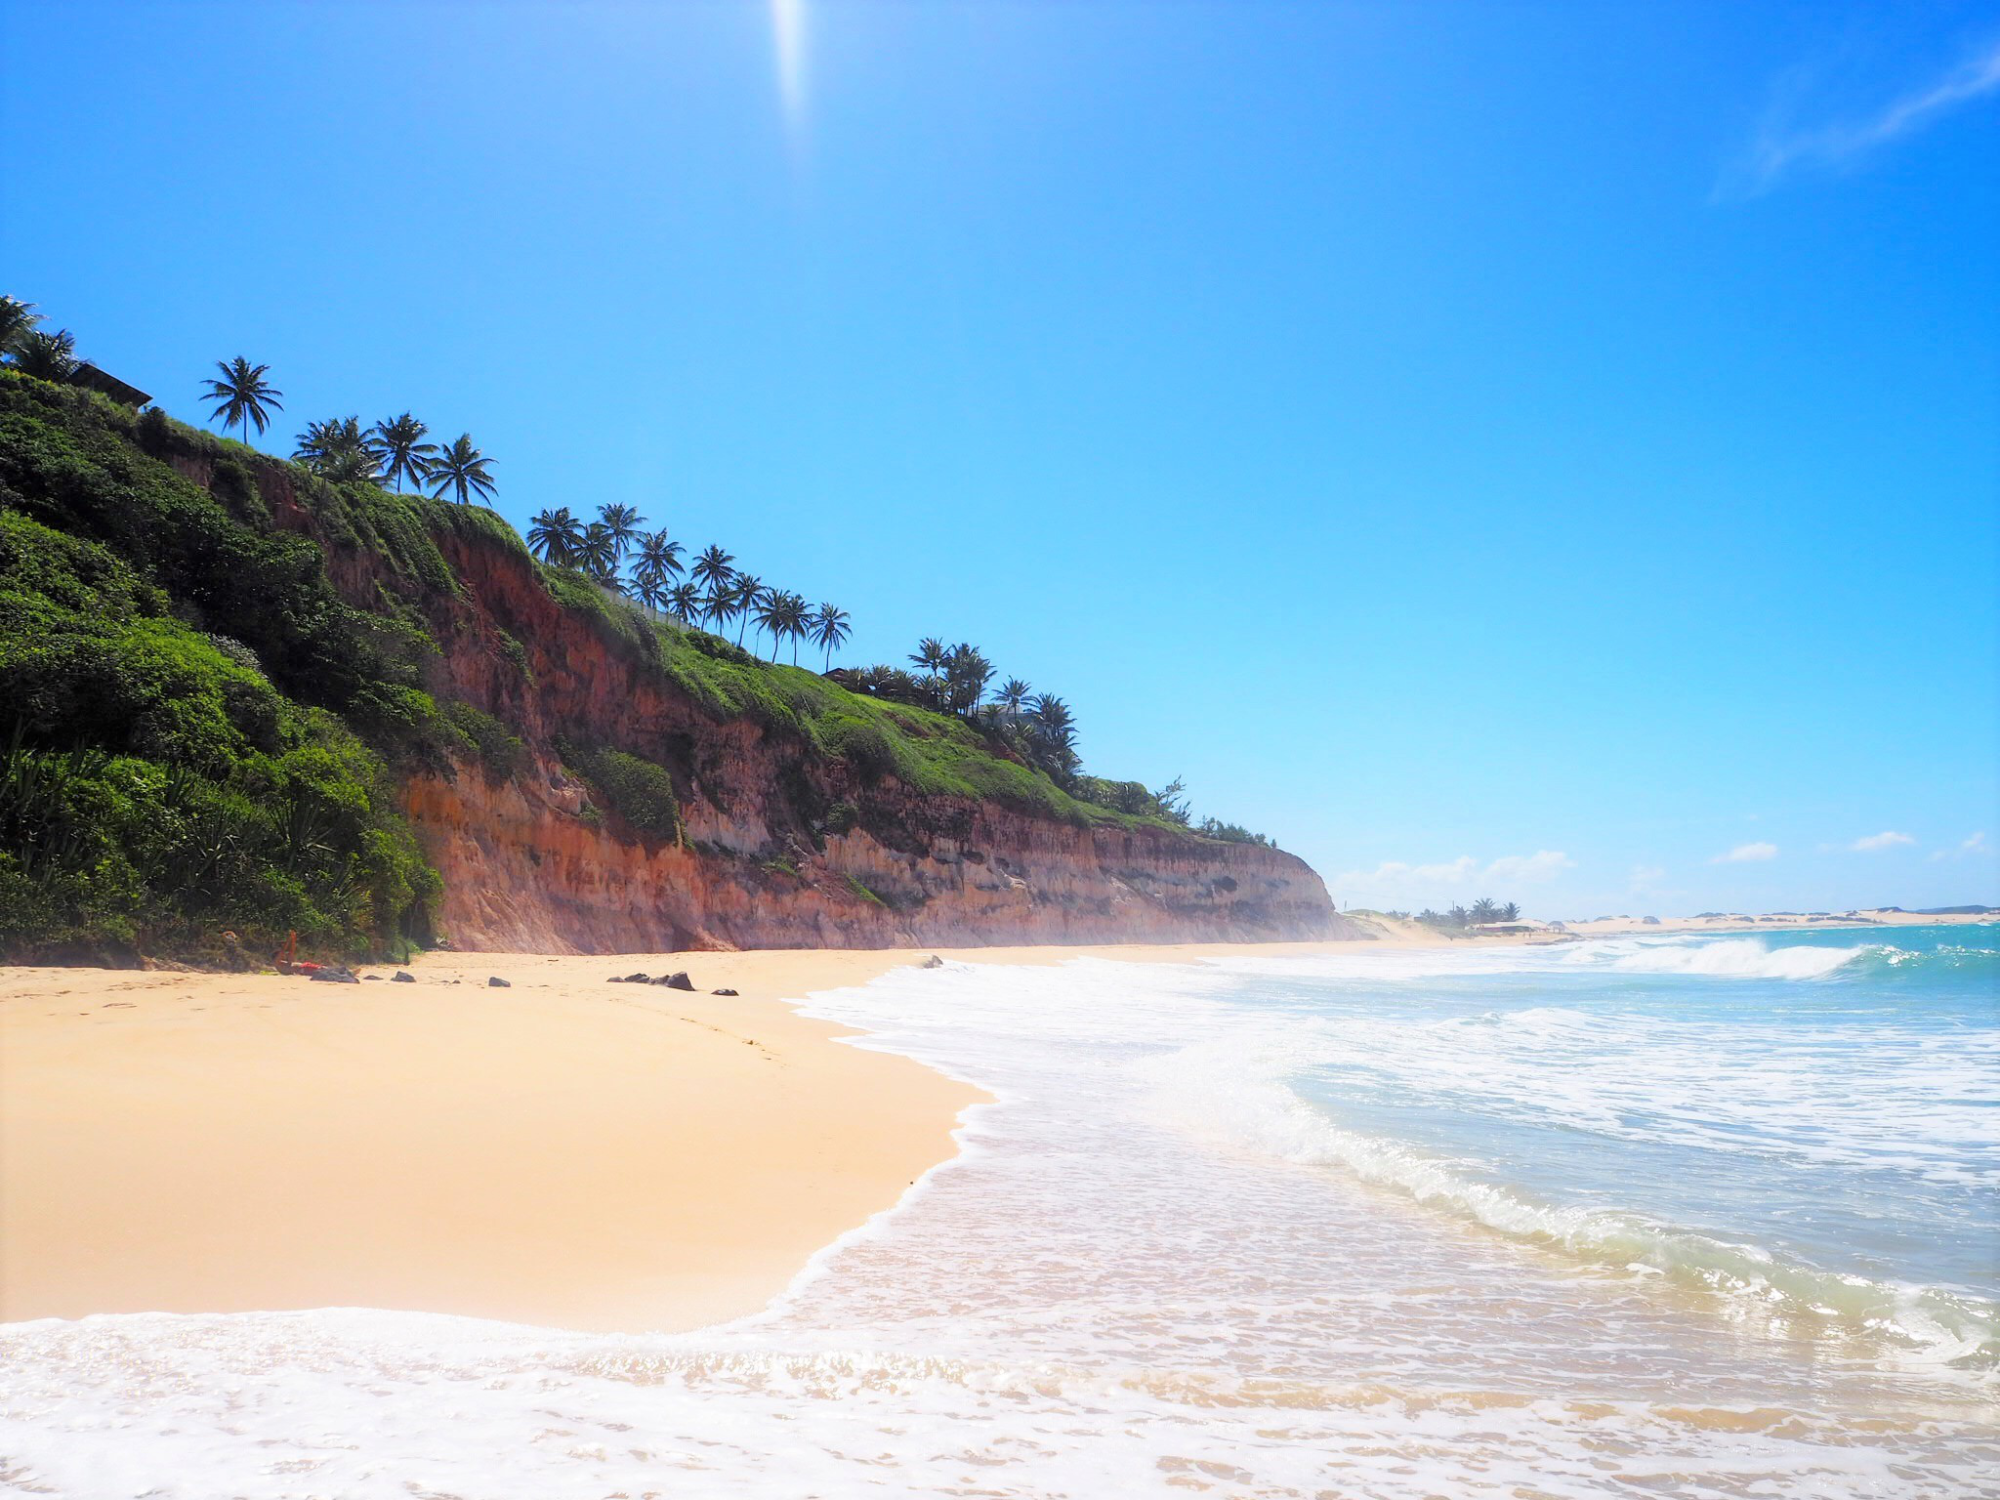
[[966, 673], [713, 569], [749, 591], [929, 655], [554, 536], [243, 396], [767, 608], [1013, 693], [464, 469], [337, 449], [685, 600], [830, 629], [597, 552], [650, 589], [623, 522], [405, 454], [794, 617], [1052, 736], [17, 321], [658, 556], [46, 356]]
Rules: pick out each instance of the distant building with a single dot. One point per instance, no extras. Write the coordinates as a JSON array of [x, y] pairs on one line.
[[106, 384]]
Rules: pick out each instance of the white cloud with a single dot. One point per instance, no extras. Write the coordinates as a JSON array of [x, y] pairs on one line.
[[1888, 838], [1645, 877], [1395, 874], [1530, 869], [1782, 146], [1744, 854], [1976, 844]]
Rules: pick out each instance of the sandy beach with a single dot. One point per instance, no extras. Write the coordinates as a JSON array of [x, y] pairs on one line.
[[563, 1151]]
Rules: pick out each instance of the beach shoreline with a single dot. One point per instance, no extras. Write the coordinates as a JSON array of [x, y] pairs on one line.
[[561, 1151]]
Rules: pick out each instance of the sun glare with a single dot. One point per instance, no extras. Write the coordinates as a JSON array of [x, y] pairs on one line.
[[788, 32]]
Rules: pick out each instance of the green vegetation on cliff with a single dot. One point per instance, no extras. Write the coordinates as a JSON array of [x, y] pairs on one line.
[[199, 733], [189, 709]]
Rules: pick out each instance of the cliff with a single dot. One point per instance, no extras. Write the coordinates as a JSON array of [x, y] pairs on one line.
[[594, 778]]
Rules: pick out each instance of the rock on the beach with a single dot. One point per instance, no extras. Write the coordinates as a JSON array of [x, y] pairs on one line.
[[722, 992], [933, 962], [494, 981], [403, 976], [678, 981], [333, 974]]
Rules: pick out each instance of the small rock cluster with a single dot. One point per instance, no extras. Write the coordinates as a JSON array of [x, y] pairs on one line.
[[674, 981]]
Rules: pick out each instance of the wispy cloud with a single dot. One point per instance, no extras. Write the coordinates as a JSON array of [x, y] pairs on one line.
[[1746, 854], [1976, 844], [1888, 838], [1783, 146], [1511, 869], [1646, 877]]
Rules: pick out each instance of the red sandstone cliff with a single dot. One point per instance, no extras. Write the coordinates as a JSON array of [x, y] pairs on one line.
[[528, 865]]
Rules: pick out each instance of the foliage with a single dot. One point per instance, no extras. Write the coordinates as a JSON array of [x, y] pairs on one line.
[[167, 774], [497, 748], [637, 790]]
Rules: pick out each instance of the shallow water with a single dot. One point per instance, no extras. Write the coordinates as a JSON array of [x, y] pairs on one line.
[[1662, 1217]]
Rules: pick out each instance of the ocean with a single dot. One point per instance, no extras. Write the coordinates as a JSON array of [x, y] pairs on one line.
[[1703, 1215]]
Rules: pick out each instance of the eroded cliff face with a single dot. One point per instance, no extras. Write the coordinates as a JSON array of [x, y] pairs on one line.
[[530, 865]]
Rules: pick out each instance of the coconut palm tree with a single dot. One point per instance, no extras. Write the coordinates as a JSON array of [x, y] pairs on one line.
[[623, 522], [767, 608], [597, 552], [1013, 693], [463, 469], [685, 600], [1052, 736], [830, 629], [655, 554], [713, 569], [337, 449], [554, 536], [46, 356], [650, 589], [243, 396], [793, 620], [749, 591], [405, 454], [17, 321]]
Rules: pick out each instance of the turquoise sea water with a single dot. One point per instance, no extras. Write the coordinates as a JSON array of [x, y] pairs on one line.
[[1807, 1119], [1705, 1217]]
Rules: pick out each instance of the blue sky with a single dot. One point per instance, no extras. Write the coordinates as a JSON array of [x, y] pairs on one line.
[[1537, 449]]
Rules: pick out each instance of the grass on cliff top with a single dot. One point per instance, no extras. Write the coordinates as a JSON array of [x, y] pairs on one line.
[[930, 753]]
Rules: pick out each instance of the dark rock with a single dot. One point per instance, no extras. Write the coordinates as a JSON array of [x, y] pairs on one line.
[[616, 979], [678, 982], [497, 983], [372, 978], [403, 976], [639, 978], [933, 962], [722, 992], [334, 974]]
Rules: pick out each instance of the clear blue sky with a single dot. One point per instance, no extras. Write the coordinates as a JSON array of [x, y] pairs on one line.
[[1559, 435]]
